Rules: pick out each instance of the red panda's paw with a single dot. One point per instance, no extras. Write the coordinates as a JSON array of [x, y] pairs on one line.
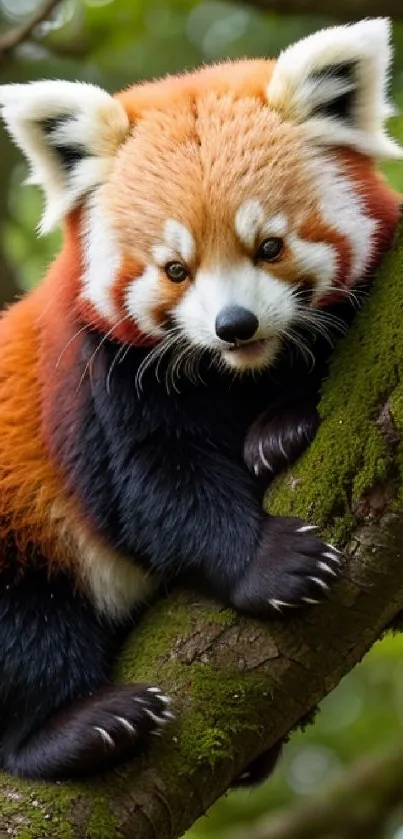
[[292, 567], [278, 437], [93, 734], [115, 722]]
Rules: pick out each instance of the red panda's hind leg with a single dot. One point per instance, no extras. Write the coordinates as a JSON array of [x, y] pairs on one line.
[[60, 716], [92, 735]]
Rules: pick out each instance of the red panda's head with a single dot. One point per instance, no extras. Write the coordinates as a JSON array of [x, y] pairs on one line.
[[223, 207]]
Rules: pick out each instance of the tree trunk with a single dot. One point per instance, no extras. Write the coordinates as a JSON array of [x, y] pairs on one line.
[[240, 685], [342, 10]]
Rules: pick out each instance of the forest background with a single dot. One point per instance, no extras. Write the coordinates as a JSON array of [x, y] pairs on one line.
[[114, 43]]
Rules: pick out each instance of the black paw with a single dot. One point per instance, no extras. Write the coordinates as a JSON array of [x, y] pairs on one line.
[[260, 769], [278, 438], [98, 732], [292, 567]]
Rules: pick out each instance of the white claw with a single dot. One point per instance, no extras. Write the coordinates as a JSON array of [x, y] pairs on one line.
[[306, 528], [333, 557], [263, 458], [155, 718], [105, 736], [153, 690], [166, 699], [328, 570], [319, 582], [311, 601], [332, 548], [169, 715], [126, 724], [278, 604], [244, 776], [256, 468]]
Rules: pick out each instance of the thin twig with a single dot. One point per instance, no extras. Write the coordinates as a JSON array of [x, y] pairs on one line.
[[12, 39]]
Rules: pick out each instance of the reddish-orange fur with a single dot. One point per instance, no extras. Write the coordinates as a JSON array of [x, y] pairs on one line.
[[37, 334]]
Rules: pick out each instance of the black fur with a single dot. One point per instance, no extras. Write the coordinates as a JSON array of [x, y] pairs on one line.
[[54, 653], [341, 107], [164, 478], [69, 155]]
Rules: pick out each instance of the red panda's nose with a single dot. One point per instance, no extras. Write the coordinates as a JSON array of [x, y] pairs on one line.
[[234, 323]]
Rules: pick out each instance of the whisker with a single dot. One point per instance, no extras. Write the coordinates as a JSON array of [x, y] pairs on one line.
[[120, 354], [156, 353], [66, 346], [96, 351]]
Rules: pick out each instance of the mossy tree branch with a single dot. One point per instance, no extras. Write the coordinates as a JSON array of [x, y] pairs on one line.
[[240, 685]]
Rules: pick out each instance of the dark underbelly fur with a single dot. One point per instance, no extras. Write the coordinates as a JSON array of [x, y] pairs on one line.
[[174, 478]]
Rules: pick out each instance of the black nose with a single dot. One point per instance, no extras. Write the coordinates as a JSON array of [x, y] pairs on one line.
[[234, 323]]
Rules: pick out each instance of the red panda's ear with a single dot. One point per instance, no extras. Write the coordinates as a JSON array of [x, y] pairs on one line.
[[335, 83], [69, 133]]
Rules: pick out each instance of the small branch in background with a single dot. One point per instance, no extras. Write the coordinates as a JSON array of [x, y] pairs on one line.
[[344, 10], [355, 807], [12, 39]]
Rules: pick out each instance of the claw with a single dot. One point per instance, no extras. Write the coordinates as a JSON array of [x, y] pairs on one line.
[[306, 528], [155, 718], [332, 548], [332, 556], [262, 457], [328, 570], [310, 601], [319, 582]]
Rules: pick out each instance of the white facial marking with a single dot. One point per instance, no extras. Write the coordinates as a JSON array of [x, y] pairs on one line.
[[163, 254], [276, 226], [343, 208], [315, 259], [101, 259], [180, 240], [249, 220], [242, 284], [142, 295]]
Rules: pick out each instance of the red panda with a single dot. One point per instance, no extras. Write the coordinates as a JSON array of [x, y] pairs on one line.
[[169, 365]]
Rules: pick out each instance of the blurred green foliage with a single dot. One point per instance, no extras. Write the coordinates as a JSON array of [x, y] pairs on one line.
[[114, 43]]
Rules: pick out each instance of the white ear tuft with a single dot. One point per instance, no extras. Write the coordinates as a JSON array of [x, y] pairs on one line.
[[69, 132], [335, 83]]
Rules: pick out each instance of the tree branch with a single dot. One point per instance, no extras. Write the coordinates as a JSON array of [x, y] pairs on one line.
[[240, 685], [342, 10], [12, 39], [356, 807]]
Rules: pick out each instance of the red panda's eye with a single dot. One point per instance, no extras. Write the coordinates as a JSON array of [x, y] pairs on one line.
[[269, 250], [176, 272]]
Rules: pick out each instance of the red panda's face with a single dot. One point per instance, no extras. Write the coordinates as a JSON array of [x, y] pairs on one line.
[[229, 229], [222, 209]]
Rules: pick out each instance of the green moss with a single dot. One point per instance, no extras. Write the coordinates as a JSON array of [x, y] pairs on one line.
[[396, 408], [156, 636], [44, 812], [220, 714], [351, 441], [101, 824]]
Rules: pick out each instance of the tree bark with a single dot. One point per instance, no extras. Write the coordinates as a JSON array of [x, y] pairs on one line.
[[342, 10], [240, 685]]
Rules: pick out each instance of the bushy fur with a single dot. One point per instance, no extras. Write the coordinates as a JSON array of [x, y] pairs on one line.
[[169, 366]]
